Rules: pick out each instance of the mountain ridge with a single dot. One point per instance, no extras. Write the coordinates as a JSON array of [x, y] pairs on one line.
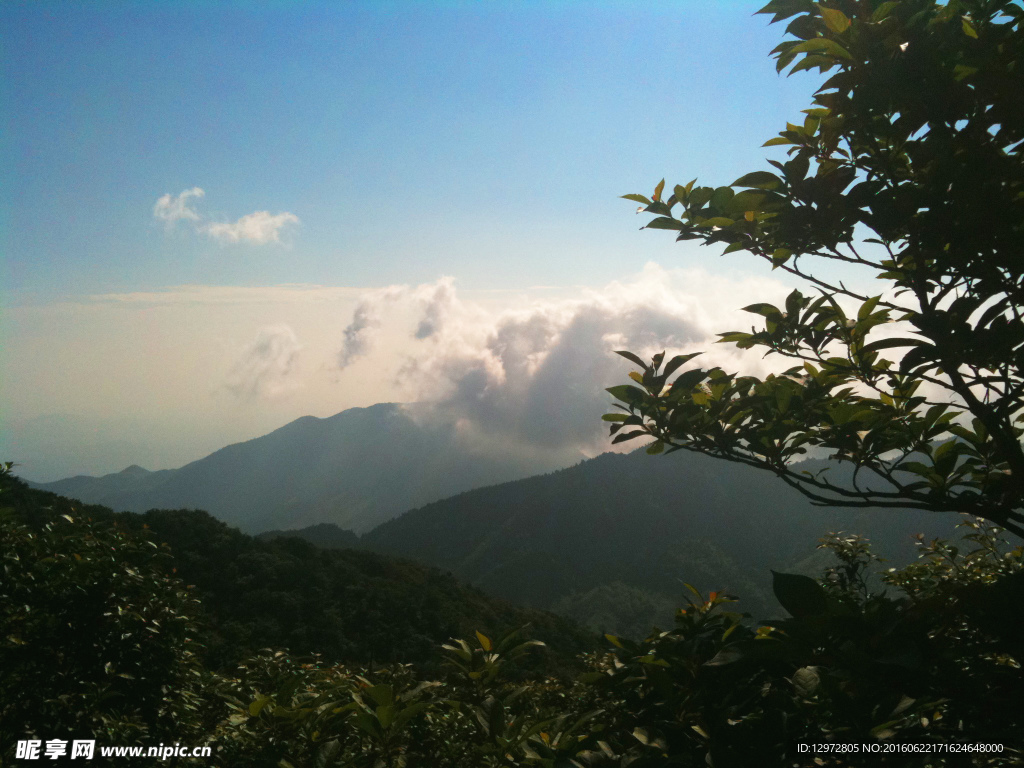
[[356, 469], [639, 526]]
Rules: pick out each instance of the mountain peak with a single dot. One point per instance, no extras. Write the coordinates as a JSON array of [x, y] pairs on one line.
[[356, 469]]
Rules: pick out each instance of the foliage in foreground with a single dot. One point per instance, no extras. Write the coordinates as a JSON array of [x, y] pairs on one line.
[[347, 606], [939, 664], [848, 667], [908, 169], [96, 641]]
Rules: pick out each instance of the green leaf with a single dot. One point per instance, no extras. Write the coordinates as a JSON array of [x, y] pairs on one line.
[[783, 396], [382, 694], [884, 10], [811, 60], [689, 379], [699, 197], [627, 393], [368, 723], [734, 337], [824, 46], [835, 20], [868, 307], [665, 222], [662, 209], [484, 640], [800, 595], [677, 361], [766, 310], [759, 180], [257, 706], [632, 358], [721, 197], [968, 28], [637, 199]]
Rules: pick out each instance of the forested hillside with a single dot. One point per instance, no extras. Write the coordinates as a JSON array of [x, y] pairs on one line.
[[346, 605], [611, 541]]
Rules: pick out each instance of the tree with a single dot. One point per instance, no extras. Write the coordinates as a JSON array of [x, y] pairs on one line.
[[907, 167], [96, 641]]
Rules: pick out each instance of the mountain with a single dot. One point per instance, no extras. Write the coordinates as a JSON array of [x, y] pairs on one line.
[[611, 541], [323, 535], [351, 606], [355, 469]]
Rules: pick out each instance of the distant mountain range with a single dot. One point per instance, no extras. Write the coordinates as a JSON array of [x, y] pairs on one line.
[[608, 542], [611, 541], [356, 469]]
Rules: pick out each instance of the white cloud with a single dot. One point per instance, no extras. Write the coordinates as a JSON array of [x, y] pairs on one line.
[[258, 228], [535, 374], [357, 334], [431, 303], [438, 302], [174, 209], [264, 368], [516, 369]]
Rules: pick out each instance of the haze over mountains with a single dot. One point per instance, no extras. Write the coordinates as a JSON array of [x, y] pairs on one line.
[[608, 542], [355, 469]]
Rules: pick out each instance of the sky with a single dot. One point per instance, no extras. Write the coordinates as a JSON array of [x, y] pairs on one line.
[[217, 217]]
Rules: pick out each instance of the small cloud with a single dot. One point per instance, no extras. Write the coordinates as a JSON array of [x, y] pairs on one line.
[[438, 301], [258, 228], [356, 336], [265, 367], [174, 209]]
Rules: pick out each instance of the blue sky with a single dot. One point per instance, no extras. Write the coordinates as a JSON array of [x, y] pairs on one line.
[[484, 140], [351, 146]]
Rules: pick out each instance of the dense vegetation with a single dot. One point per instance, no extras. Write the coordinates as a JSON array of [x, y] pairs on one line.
[[346, 605], [611, 541], [98, 641]]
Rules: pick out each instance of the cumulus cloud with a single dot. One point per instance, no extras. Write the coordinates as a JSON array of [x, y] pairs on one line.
[[259, 228], [171, 210], [438, 301], [357, 334], [535, 374], [265, 368]]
